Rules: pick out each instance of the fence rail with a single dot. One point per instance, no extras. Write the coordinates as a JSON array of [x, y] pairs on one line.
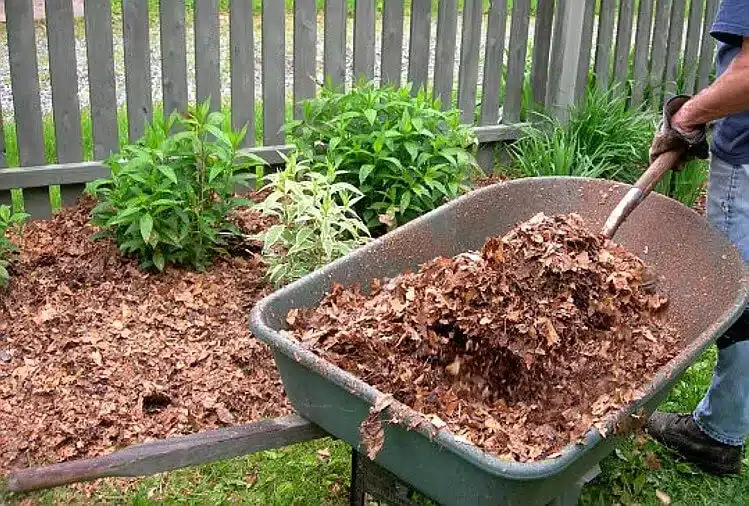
[[493, 61]]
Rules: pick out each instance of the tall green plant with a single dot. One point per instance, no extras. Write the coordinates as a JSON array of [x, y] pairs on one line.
[[603, 137], [315, 220], [170, 193], [8, 220], [403, 152], [687, 184]]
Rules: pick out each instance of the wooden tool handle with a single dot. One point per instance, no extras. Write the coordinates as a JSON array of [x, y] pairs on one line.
[[640, 190], [171, 453], [665, 162]]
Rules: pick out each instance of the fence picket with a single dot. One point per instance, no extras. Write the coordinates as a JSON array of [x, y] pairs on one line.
[[623, 40], [541, 49], [640, 75], [692, 45], [707, 48], [658, 52], [305, 52], [207, 67], [418, 54], [392, 41], [493, 57], [3, 159], [364, 39], [586, 44], [173, 55], [675, 34], [516, 61], [334, 64], [444, 60], [101, 83], [6, 198], [242, 54], [603, 46], [469, 59], [24, 79], [137, 66], [557, 56], [64, 82], [274, 66]]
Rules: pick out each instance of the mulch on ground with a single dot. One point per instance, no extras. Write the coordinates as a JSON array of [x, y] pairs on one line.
[[95, 354], [518, 348]]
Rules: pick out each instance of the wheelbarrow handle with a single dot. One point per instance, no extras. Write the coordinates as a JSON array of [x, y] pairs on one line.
[[640, 190]]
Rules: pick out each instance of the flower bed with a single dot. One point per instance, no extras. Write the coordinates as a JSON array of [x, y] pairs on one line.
[[96, 354]]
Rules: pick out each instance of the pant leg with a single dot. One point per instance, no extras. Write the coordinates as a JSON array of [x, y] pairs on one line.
[[724, 411]]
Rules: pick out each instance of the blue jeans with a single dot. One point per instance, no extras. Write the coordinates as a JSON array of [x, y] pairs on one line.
[[723, 413]]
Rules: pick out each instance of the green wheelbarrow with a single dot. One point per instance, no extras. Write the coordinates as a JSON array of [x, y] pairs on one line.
[[703, 274]]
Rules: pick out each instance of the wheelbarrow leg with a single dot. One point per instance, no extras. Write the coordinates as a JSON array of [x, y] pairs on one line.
[[357, 493], [572, 495], [368, 478]]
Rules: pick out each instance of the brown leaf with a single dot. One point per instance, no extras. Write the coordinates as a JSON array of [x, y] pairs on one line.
[[652, 461], [291, 316], [454, 368], [663, 497], [436, 421], [224, 414], [371, 435]]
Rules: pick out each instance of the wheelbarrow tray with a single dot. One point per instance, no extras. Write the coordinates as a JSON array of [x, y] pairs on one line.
[[702, 273]]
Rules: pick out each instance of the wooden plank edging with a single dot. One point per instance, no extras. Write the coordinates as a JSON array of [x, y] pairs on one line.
[[172, 453]]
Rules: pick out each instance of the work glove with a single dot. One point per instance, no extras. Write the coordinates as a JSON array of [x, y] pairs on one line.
[[668, 138]]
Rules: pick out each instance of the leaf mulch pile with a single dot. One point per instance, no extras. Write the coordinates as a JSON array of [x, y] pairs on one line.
[[95, 354], [518, 348]]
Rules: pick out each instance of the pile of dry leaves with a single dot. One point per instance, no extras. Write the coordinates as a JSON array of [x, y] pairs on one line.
[[520, 348], [95, 354]]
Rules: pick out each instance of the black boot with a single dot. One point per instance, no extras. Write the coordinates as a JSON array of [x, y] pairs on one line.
[[681, 434]]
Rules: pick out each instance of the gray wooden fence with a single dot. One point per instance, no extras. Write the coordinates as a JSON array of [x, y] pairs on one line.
[[491, 60]]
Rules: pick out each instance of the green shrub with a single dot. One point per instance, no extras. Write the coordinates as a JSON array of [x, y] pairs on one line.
[[8, 219], [315, 220], [404, 154], [170, 193], [602, 138]]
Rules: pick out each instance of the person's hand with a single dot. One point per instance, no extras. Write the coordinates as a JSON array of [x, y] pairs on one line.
[[671, 135]]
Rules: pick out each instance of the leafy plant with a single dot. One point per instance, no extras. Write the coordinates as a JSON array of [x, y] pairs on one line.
[[170, 193], [405, 154], [315, 220], [8, 219]]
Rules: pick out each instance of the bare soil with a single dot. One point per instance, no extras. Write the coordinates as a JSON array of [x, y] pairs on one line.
[[95, 354], [518, 348]]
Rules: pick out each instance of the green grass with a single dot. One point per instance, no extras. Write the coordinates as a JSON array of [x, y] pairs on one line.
[[627, 477]]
